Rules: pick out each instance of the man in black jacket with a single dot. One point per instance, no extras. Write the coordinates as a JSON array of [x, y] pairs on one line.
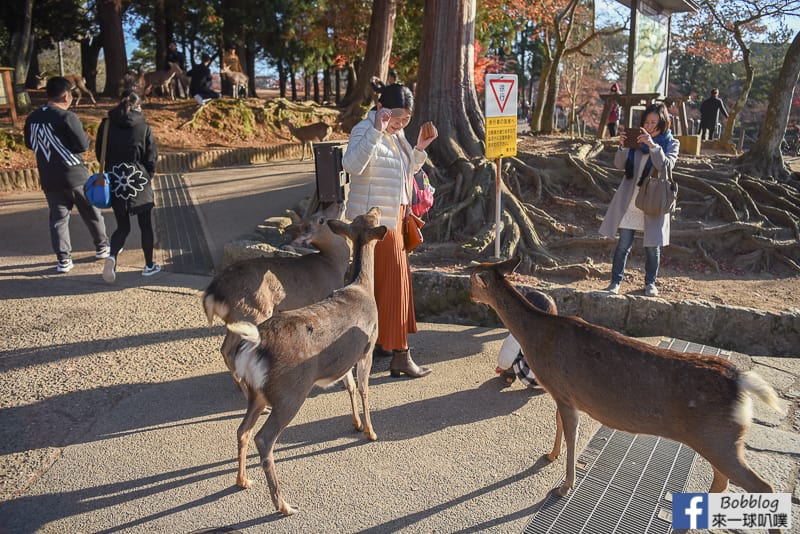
[[201, 81], [709, 114], [173, 56], [57, 137]]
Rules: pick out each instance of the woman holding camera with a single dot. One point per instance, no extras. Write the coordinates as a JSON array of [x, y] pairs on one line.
[[649, 149]]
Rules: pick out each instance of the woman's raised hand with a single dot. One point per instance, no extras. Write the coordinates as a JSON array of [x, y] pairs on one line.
[[427, 133], [382, 117]]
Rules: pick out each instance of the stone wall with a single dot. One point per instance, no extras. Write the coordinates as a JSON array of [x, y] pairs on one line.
[[28, 179]]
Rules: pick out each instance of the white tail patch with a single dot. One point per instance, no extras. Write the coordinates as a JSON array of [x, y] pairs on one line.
[[252, 369], [750, 383]]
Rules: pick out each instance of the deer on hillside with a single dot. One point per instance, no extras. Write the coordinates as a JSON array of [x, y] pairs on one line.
[[133, 80], [162, 79], [252, 290], [78, 87], [319, 131], [239, 80], [626, 384], [282, 359]]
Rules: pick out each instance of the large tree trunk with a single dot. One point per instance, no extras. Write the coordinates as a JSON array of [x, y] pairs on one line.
[[90, 51], [109, 16], [22, 44], [376, 60], [765, 158], [446, 86], [162, 34], [738, 106]]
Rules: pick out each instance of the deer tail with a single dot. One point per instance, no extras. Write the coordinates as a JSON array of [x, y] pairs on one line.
[[248, 362], [752, 383], [213, 307], [247, 331]]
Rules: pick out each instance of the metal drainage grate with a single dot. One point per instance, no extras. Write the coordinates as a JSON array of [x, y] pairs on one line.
[[181, 241], [623, 482]]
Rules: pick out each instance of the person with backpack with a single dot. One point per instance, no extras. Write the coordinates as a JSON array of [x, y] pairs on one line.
[[131, 157], [56, 136]]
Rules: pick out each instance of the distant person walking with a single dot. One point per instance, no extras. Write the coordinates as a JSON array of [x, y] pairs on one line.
[[131, 157], [57, 138], [200, 87], [613, 116], [709, 114]]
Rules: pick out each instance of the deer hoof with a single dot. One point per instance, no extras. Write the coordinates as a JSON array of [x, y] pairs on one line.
[[551, 456], [244, 483], [371, 435], [358, 426], [563, 490], [287, 509]]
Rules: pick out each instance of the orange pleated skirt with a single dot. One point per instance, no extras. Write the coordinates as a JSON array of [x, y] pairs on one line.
[[393, 292]]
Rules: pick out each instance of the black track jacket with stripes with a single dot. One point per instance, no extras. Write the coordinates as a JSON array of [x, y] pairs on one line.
[[57, 137]]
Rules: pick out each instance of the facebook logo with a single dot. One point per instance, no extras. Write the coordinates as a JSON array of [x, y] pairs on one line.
[[690, 510]]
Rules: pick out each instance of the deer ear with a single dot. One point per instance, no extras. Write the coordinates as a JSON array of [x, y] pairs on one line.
[[508, 266], [339, 227], [378, 233], [479, 280]]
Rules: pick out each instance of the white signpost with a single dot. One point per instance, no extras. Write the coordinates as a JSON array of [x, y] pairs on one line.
[[501, 132]]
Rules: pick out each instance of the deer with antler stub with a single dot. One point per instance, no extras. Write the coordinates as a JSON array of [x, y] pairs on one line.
[[626, 384], [282, 359], [319, 131], [78, 87]]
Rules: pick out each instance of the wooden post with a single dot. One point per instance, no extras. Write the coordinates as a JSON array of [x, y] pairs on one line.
[[7, 94]]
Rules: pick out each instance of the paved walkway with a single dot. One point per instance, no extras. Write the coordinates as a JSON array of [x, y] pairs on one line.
[[118, 414]]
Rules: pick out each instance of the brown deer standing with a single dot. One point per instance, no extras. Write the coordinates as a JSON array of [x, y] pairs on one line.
[[282, 359], [702, 401], [162, 79], [237, 79], [78, 87], [251, 290], [319, 131]]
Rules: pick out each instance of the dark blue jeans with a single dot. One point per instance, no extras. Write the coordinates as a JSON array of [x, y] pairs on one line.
[[652, 258]]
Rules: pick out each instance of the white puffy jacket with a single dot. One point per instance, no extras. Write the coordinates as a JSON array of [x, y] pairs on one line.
[[377, 177]]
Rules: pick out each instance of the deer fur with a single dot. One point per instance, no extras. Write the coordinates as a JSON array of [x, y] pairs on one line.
[[702, 401], [237, 79], [319, 131], [282, 359], [162, 79], [251, 290], [133, 80], [78, 87]]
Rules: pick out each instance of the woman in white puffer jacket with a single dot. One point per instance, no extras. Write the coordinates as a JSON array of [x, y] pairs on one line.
[[381, 163]]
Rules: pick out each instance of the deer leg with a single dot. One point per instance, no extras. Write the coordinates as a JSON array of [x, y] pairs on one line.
[[350, 385], [569, 419], [559, 435], [363, 369], [727, 459], [255, 406], [279, 418]]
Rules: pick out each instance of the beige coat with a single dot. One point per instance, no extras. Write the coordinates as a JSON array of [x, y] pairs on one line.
[[656, 227]]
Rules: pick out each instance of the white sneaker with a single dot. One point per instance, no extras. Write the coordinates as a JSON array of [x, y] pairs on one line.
[[109, 270], [103, 252], [199, 99], [650, 290], [151, 270], [613, 288], [64, 266]]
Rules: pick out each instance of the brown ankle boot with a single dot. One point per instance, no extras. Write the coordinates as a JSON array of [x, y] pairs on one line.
[[402, 363]]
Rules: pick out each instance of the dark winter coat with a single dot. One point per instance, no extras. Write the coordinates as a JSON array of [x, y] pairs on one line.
[[131, 158], [201, 79], [57, 137], [710, 110]]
